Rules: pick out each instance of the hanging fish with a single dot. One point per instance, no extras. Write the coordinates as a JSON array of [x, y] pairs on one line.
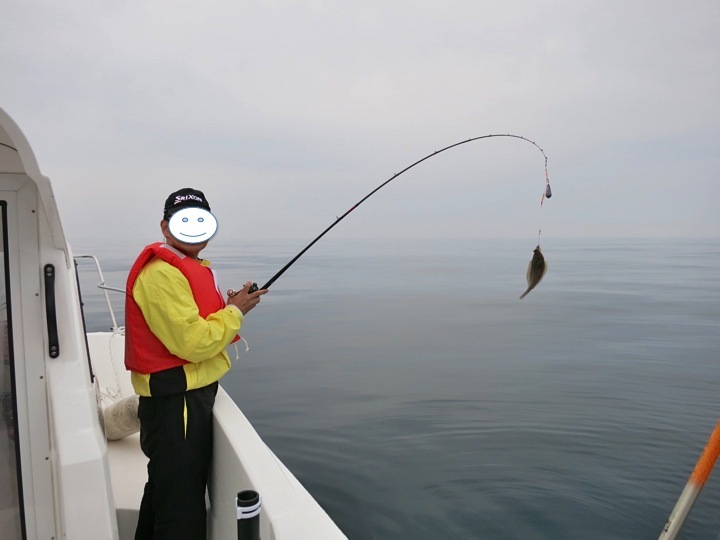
[[535, 271]]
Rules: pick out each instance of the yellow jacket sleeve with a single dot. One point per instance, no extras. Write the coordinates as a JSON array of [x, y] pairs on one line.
[[166, 301]]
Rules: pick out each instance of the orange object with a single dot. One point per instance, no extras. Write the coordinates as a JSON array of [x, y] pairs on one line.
[[707, 460], [699, 476]]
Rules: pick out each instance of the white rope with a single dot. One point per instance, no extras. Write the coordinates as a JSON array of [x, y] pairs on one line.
[[237, 351]]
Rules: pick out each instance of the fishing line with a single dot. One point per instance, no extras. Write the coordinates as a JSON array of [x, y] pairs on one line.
[[547, 193]]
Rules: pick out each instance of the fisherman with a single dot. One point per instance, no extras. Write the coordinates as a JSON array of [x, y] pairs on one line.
[[177, 326]]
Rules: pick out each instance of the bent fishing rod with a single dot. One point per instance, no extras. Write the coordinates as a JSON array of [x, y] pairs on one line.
[[547, 193]]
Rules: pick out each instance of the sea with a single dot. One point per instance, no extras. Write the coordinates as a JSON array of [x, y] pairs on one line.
[[415, 396]]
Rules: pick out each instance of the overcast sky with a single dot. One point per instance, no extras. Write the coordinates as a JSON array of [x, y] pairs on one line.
[[286, 113]]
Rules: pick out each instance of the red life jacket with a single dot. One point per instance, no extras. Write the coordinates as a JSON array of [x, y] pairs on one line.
[[145, 353]]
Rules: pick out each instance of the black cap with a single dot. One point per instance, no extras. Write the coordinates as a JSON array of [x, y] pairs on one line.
[[184, 198]]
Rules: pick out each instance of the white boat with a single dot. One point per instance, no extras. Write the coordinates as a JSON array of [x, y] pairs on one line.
[[59, 475]]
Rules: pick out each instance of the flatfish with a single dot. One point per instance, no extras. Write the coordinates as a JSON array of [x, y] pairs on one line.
[[535, 271]]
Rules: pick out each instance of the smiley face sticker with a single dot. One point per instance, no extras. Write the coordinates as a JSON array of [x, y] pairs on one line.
[[193, 225]]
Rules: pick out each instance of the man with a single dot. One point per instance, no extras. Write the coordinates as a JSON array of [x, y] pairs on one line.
[[177, 326]]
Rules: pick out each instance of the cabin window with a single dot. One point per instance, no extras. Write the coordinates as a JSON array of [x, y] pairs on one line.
[[10, 489]]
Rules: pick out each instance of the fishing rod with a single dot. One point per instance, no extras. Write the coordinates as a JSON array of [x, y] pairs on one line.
[[547, 193]]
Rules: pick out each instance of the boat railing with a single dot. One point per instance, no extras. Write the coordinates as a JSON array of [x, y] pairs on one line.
[[105, 288]]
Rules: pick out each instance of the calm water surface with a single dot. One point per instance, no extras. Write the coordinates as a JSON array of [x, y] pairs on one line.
[[416, 397]]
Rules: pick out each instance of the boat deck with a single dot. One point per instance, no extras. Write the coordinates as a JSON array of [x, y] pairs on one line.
[[128, 473]]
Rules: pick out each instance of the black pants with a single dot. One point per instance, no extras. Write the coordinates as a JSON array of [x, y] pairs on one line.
[[173, 504]]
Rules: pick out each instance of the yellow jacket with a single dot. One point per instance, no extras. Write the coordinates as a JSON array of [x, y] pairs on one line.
[[164, 296]]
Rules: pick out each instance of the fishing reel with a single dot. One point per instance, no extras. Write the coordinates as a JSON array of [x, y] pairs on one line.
[[252, 289]]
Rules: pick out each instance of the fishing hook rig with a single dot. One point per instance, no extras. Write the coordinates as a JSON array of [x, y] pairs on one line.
[[547, 193]]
